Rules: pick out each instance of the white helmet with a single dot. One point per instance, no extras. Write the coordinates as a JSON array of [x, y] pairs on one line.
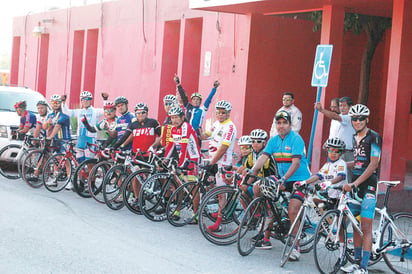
[[86, 95], [335, 142], [170, 98], [56, 97], [245, 141], [268, 187], [359, 110], [176, 111], [224, 104], [258, 134]]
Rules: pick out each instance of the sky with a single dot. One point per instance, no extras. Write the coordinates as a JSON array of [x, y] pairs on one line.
[[14, 8]]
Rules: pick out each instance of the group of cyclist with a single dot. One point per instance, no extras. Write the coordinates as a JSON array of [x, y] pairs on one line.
[[280, 159]]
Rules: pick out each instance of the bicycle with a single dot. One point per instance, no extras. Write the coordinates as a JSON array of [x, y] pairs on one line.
[[391, 240]]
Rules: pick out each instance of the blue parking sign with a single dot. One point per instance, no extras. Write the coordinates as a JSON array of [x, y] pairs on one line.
[[321, 66]]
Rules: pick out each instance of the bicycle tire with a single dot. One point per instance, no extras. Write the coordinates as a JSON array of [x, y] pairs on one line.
[[232, 215], [95, 180], [55, 173], [20, 161], [251, 228], [399, 260], [130, 193], [80, 179], [154, 195], [325, 251], [9, 161], [308, 232], [112, 186], [30, 163], [291, 239], [182, 201]]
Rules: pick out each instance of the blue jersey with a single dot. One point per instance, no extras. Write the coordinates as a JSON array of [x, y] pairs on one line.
[[122, 123], [284, 150], [28, 120], [59, 118]]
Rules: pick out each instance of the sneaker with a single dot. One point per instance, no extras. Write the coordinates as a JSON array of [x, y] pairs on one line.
[[192, 221], [341, 262], [69, 186], [257, 237], [51, 183], [295, 255], [360, 271], [262, 244], [176, 216], [159, 210], [350, 268]]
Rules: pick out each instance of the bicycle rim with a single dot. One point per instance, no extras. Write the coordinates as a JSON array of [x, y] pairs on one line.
[[179, 208], [57, 172], [9, 157], [132, 188]]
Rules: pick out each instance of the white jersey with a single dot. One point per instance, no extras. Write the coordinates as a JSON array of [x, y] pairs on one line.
[[296, 120], [330, 171], [222, 134], [93, 116], [41, 120]]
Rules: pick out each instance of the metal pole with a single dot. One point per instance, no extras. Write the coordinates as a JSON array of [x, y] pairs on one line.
[[315, 118]]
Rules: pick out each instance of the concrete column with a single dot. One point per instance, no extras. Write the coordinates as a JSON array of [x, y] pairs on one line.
[[332, 33], [398, 94]]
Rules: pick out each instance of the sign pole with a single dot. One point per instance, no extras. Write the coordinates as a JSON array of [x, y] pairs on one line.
[[315, 118]]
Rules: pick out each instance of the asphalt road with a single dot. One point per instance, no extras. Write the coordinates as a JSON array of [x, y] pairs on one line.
[[44, 232]]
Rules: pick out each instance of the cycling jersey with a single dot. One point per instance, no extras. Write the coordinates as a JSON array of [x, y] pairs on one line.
[[195, 115], [144, 133], [28, 120], [330, 171], [184, 141], [59, 118], [369, 146], [222, 134], [284, 150], [269, 167], [166, 131], [40, 120], [296, 121], [122, 123]]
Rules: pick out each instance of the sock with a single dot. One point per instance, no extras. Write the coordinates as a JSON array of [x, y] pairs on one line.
[[216, 225], [265, 239], [341, 248], [358, 253], [365, 259]]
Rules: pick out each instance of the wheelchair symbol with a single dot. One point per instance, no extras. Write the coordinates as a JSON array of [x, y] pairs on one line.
[[320, 69]]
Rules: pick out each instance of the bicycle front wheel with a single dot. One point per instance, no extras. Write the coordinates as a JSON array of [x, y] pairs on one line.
[[9, 158], [131, 189], [80, 177], [112, 186], [326, 243], [57, 172], [179, 208], [251, 228], [32, 167], [398, 238], [96, 178]]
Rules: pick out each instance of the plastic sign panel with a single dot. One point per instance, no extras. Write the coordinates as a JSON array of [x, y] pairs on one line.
[[321, 67]]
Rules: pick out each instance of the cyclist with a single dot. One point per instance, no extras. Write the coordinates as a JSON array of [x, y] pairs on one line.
[[83, 135], [27, 120], [107, 125], [42, 109], [287, 148], [184, 142], [195, 113], [367, 146], [123, 121], [245, 144], [222, 140], [169, 101]]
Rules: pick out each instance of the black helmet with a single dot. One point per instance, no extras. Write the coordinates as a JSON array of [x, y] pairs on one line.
[[42, 102], [121, 99]]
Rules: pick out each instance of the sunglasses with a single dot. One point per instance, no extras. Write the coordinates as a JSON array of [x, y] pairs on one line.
[[86, 99], [283, 115], [244, 147], [109, 110], [257, 141], [168, 104], [221, 112], [360, 119], [141, 112], [333, 150], [285, 99], [55, 102]]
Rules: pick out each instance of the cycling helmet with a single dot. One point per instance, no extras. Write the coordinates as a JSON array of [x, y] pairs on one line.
[[335, 142], [196, 94], [86, 95], [176, 111], [120, 100], [42, 102], [56, 97], [268, 187], [282, 114], [20, 104], [141, 106], [108, 105], [170, 98], [258, 134], [359, 110], [224, 105], [245, 141]]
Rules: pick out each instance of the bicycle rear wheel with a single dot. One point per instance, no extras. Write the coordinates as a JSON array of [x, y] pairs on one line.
[[9, 157], [80, 177], [398, 256], [326, 243], [96, 178], [112, 186], [35, 159], [179, 208], [57, 172], [132, 187], [232, 207], [251, 229]]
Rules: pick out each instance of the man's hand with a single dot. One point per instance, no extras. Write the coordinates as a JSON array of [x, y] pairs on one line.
[[216, 84], [348, 187], [105, 95], [63, 97], [318, 106], [177, 80], [299, 184]]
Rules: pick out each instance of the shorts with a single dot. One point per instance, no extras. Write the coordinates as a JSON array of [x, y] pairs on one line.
[[84, 153], [295, 195], [221, 179], [367, 207]]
